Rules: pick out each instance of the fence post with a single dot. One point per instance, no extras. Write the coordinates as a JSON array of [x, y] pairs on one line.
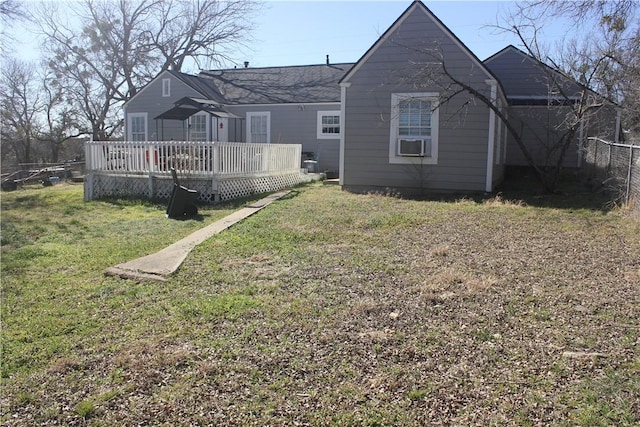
[[628, 190], [88, 159], [150, 156], [88, 187], [216, 158]]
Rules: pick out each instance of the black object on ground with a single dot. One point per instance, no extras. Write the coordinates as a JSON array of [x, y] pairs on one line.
[[183, 200]]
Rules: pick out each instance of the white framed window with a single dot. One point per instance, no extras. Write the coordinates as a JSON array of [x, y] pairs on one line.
[[137, 126], [259, 127], [328, 124], [166, 87], [198, 127], [414, 128]]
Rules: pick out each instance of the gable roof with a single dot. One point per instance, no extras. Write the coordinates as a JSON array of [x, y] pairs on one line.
[[416, 6], [194, 82], [202, 86], [525, 79], [277, 85]]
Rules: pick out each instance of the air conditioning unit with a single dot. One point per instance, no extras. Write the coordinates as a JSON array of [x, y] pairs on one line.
[[412, 147]]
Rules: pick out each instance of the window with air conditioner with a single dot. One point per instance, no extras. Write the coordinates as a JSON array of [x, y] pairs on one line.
[[413, 147], [414, 128]]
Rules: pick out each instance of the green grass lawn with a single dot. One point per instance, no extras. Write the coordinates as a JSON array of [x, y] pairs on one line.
[[326, 308]]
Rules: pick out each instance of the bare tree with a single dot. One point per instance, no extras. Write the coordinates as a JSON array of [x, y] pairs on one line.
[[201, 30], [60, 116], [96, 64], [570, 103], [116, 47], [37, 119], [10, 12], [21, 105], [602, 48]]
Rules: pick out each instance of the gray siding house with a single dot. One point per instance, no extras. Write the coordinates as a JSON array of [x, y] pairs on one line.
[[287, 105], [404, 126], [406, 117]]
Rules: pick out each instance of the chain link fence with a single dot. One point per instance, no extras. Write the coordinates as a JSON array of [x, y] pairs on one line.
[[615, 168]]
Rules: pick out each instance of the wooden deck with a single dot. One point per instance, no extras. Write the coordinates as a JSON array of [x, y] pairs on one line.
[[218, 170]]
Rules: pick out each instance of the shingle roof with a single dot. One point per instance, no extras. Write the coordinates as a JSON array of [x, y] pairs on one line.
[[203, 86], [525, 77], [277, 85]]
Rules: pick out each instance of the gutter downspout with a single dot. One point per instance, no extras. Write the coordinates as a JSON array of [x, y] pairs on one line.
[[343, 128], [491, 138]]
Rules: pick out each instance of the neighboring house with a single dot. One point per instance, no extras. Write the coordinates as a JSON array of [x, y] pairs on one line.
[[296, 105], [393, 121]]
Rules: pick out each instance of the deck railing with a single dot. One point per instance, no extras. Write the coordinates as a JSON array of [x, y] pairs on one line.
[[192, 158]]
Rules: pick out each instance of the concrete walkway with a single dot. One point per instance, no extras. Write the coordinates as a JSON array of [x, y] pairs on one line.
[[161, 264]]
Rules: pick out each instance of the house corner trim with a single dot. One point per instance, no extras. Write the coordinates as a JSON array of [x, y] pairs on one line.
[[491, 138], [343, 130]]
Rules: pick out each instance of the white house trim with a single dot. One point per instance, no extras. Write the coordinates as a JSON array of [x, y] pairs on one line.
[[266, 114], [343, 130], [319, 116], [166, 87], [130, 117], [394, 158], [492, 136], [283, 104], [207, 126]]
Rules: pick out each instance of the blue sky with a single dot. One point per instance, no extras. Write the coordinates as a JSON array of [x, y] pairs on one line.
[[301, 32], [304, 32]]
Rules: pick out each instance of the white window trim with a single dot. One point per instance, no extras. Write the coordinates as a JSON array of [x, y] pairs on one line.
[[166, 87], [256, 114], [130, 117], [321, 135], [207, 122], [394, 158]]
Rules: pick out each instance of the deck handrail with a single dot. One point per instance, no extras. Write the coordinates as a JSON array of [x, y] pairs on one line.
[[191, 158]]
